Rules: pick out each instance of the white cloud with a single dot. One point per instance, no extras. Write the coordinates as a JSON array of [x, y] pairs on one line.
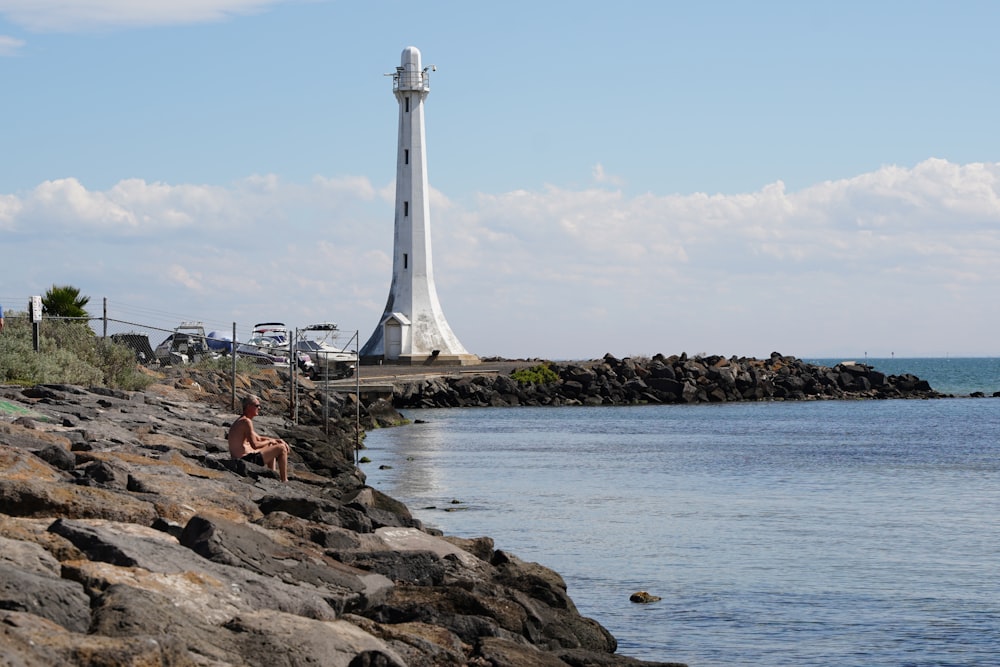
[[895, 234], [67, 202], [185, 278], [83, 15], [601, 176], [356, 186], [899, 255], [141, 209], [9, 46], [10, 209], [131, 207]]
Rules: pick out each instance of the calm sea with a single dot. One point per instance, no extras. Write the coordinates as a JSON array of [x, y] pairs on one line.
[[800, 533]]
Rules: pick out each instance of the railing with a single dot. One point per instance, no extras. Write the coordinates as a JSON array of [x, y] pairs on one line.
[[411, 80]]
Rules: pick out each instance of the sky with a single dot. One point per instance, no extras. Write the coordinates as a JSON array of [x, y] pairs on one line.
[[732, 178]]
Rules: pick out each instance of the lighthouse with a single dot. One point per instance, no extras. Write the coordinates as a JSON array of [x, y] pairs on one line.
[[413, 329]]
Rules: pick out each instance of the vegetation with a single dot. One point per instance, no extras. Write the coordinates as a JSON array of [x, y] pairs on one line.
[[64, 301], [69, 353], [540, 374], [244, 366]]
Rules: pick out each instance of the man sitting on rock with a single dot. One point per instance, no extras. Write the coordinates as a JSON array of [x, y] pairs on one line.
[[244, 443]]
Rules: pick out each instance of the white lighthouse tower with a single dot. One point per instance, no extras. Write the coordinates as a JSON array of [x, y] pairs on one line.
[[413, 329]]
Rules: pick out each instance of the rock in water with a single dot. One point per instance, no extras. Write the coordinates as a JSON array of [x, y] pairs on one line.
[[642, 597]]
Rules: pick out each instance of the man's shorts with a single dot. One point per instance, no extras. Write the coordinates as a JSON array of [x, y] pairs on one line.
[[254, 458]]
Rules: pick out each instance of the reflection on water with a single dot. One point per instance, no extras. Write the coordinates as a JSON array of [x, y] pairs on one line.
[[416, 458]]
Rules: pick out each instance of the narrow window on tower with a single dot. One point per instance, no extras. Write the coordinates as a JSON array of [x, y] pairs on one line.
[[406, 156], [406, 261], [407, 105], [406, 208]]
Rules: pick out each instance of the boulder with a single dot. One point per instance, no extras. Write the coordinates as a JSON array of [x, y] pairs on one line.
[[44, 594]]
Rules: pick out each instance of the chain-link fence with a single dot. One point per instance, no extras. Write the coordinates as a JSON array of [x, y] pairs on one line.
[[122, 354]]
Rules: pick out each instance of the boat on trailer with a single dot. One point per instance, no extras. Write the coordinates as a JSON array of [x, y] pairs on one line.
[[270, 344], [331, 359], [187, 344]]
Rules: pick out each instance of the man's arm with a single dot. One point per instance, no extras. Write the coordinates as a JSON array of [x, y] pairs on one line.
[[258, 441]]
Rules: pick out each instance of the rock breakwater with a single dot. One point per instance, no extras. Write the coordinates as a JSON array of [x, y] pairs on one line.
[[128, 537], [660, 379]]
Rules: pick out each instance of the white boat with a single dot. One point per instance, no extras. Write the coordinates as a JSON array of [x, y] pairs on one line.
[[268, 345], [331, 360]]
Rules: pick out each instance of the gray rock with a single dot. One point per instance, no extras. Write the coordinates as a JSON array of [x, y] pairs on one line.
[[57, 456], [129, 546], [122, 610], [261, 550], [270, 638], [149, 546], [40, 498], [28, 556], [46, 595], [33, 641]]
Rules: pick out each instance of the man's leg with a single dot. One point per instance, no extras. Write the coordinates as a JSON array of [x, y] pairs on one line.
[[283, 462], [276, 454]]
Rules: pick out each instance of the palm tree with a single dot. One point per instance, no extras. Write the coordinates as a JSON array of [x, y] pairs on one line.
[[64, 301]]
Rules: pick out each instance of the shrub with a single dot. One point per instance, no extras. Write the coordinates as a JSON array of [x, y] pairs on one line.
[[69, 353], [117, 362], [540, 374], [244, 366]]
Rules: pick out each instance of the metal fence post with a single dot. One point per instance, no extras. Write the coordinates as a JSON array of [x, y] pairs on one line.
[[233, 379], [35, 313], [357, 398], [293, 392]]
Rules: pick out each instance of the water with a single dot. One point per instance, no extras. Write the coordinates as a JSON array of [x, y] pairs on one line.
[[811, 533]]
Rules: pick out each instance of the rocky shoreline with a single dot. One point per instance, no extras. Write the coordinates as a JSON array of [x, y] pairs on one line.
[[130, 538], [663, 380]]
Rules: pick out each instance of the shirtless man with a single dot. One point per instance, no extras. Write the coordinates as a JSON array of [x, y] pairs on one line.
[[245, 443]]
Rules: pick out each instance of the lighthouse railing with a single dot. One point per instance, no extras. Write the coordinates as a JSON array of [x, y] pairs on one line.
[[408, 80]]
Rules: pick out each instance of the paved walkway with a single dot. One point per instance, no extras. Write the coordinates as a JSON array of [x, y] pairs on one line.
[[390, 374], [393, 371]]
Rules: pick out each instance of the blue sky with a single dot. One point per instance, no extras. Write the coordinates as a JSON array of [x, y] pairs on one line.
[[722, 178]]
